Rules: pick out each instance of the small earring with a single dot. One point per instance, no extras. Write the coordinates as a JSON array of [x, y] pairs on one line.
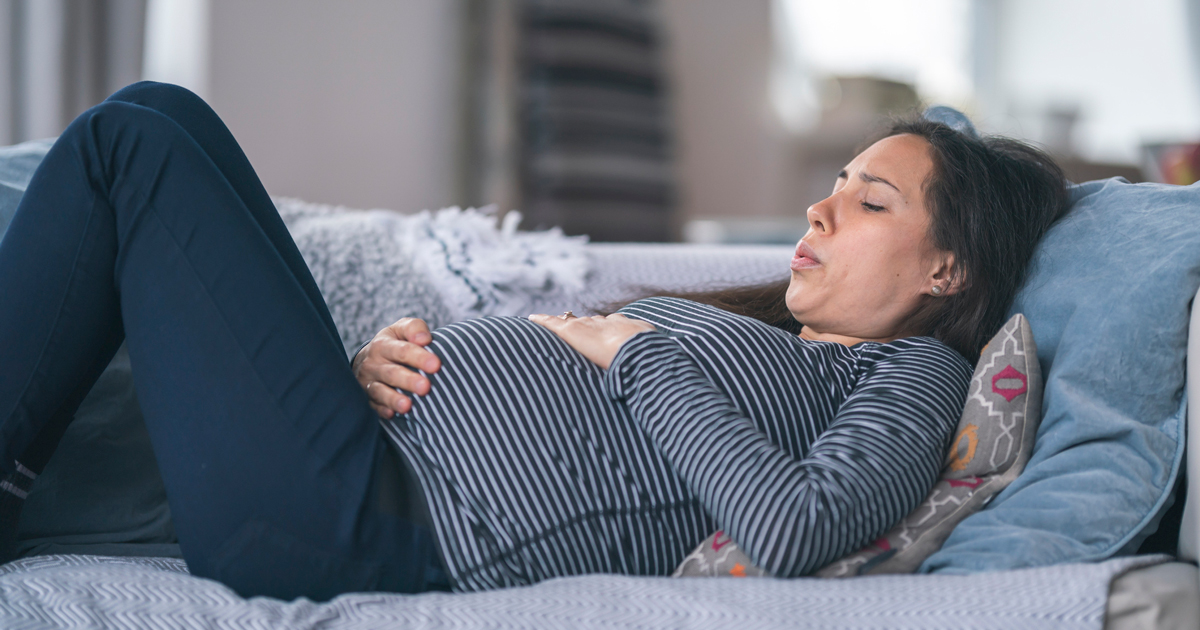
[[936, 290]]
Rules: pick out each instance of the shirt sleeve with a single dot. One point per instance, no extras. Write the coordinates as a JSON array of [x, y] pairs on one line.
[[352, 351], [873, 465]]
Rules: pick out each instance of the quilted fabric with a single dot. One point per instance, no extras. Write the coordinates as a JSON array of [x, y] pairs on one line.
[[98, 592]]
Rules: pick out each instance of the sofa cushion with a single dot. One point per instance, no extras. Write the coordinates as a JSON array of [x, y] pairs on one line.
[[1108, 298], [101, 492]]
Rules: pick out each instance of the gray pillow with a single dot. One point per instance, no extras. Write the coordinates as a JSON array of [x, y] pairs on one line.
[[991, 447]]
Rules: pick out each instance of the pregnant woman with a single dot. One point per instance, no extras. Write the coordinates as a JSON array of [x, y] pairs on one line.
[[526, 448]]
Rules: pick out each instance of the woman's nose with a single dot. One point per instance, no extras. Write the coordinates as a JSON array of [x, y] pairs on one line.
[[820, 216]]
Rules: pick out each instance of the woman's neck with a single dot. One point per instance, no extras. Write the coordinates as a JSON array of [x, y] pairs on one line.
[[845, 340]]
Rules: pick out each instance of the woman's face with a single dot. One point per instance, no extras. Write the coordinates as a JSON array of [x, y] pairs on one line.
[[866, 263]]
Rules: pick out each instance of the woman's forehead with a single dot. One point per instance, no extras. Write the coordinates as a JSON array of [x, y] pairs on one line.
[[903, 160]]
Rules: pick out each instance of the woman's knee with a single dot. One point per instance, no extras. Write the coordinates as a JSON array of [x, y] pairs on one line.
[[157, 95], [112, 118], [115, 136]]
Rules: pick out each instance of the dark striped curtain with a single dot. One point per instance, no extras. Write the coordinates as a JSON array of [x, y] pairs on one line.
[[594, 125]]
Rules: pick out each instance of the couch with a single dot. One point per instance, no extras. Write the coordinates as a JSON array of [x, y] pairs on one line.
[[100, 552]]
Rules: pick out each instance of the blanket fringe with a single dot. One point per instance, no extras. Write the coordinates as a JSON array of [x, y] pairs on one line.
[[478, 262]]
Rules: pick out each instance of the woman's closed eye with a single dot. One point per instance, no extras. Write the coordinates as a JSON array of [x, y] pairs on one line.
[[872, 207]]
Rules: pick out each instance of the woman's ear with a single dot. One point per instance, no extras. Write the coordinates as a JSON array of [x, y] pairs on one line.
[[945, 276]]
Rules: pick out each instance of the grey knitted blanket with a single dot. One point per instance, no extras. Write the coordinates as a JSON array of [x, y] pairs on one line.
[[376, 266]]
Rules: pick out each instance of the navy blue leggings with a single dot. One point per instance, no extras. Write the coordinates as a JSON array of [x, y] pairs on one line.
[[147, 223]]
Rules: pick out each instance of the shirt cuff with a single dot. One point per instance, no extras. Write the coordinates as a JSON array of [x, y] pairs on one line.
[[351, 355], [621, 373]]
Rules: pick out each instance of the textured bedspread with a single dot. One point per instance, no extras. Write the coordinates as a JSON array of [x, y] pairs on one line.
[[105, 592]]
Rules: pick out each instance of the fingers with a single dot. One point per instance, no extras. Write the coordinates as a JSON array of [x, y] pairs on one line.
[[383, 367], [400, 377], [553, 323], [413, 330], [410, 354], [386, 401]]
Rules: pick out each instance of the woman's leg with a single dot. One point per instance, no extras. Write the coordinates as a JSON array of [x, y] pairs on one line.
[[209, 132], [266, 443]]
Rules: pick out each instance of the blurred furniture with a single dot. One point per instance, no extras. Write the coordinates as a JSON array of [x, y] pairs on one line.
[[1172, 163], [570, 121]]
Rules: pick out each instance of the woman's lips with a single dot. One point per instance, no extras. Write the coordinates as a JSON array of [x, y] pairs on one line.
[[805, 257]]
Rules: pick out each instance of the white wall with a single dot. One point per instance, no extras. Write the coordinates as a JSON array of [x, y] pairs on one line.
[[355, 102], [729, 140], [350, 102]]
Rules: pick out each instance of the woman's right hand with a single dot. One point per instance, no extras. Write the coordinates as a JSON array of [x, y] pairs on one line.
[[383, 366]]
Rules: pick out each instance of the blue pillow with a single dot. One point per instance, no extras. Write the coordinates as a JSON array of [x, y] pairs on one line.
[[17, 164], [1108, 299]]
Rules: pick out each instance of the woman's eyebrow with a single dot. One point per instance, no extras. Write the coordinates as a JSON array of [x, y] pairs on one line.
[[869, 178]]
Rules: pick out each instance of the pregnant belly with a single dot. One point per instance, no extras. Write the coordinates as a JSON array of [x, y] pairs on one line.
[[517, 443]]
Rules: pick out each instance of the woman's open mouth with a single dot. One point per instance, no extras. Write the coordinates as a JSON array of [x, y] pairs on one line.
[[805, 257]]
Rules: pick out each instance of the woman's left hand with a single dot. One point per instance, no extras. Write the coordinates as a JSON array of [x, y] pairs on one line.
[[598, 338]]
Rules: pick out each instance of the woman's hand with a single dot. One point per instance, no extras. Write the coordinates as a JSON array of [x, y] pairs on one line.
[[380, 366], [597, 338]]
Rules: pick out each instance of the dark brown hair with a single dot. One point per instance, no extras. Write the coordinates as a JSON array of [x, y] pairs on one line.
[[990, 199]]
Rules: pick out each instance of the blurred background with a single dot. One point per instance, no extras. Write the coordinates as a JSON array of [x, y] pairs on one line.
[[628, 120]]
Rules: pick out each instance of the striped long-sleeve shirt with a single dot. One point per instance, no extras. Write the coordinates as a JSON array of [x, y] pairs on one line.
[[535, 463]]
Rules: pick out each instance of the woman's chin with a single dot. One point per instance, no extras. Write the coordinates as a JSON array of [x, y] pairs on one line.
[[796, 303]]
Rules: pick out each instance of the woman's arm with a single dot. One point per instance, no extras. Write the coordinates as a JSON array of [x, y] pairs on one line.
[[872, 466]]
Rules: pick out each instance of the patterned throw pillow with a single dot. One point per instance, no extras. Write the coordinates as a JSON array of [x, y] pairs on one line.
[[994, 438]]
